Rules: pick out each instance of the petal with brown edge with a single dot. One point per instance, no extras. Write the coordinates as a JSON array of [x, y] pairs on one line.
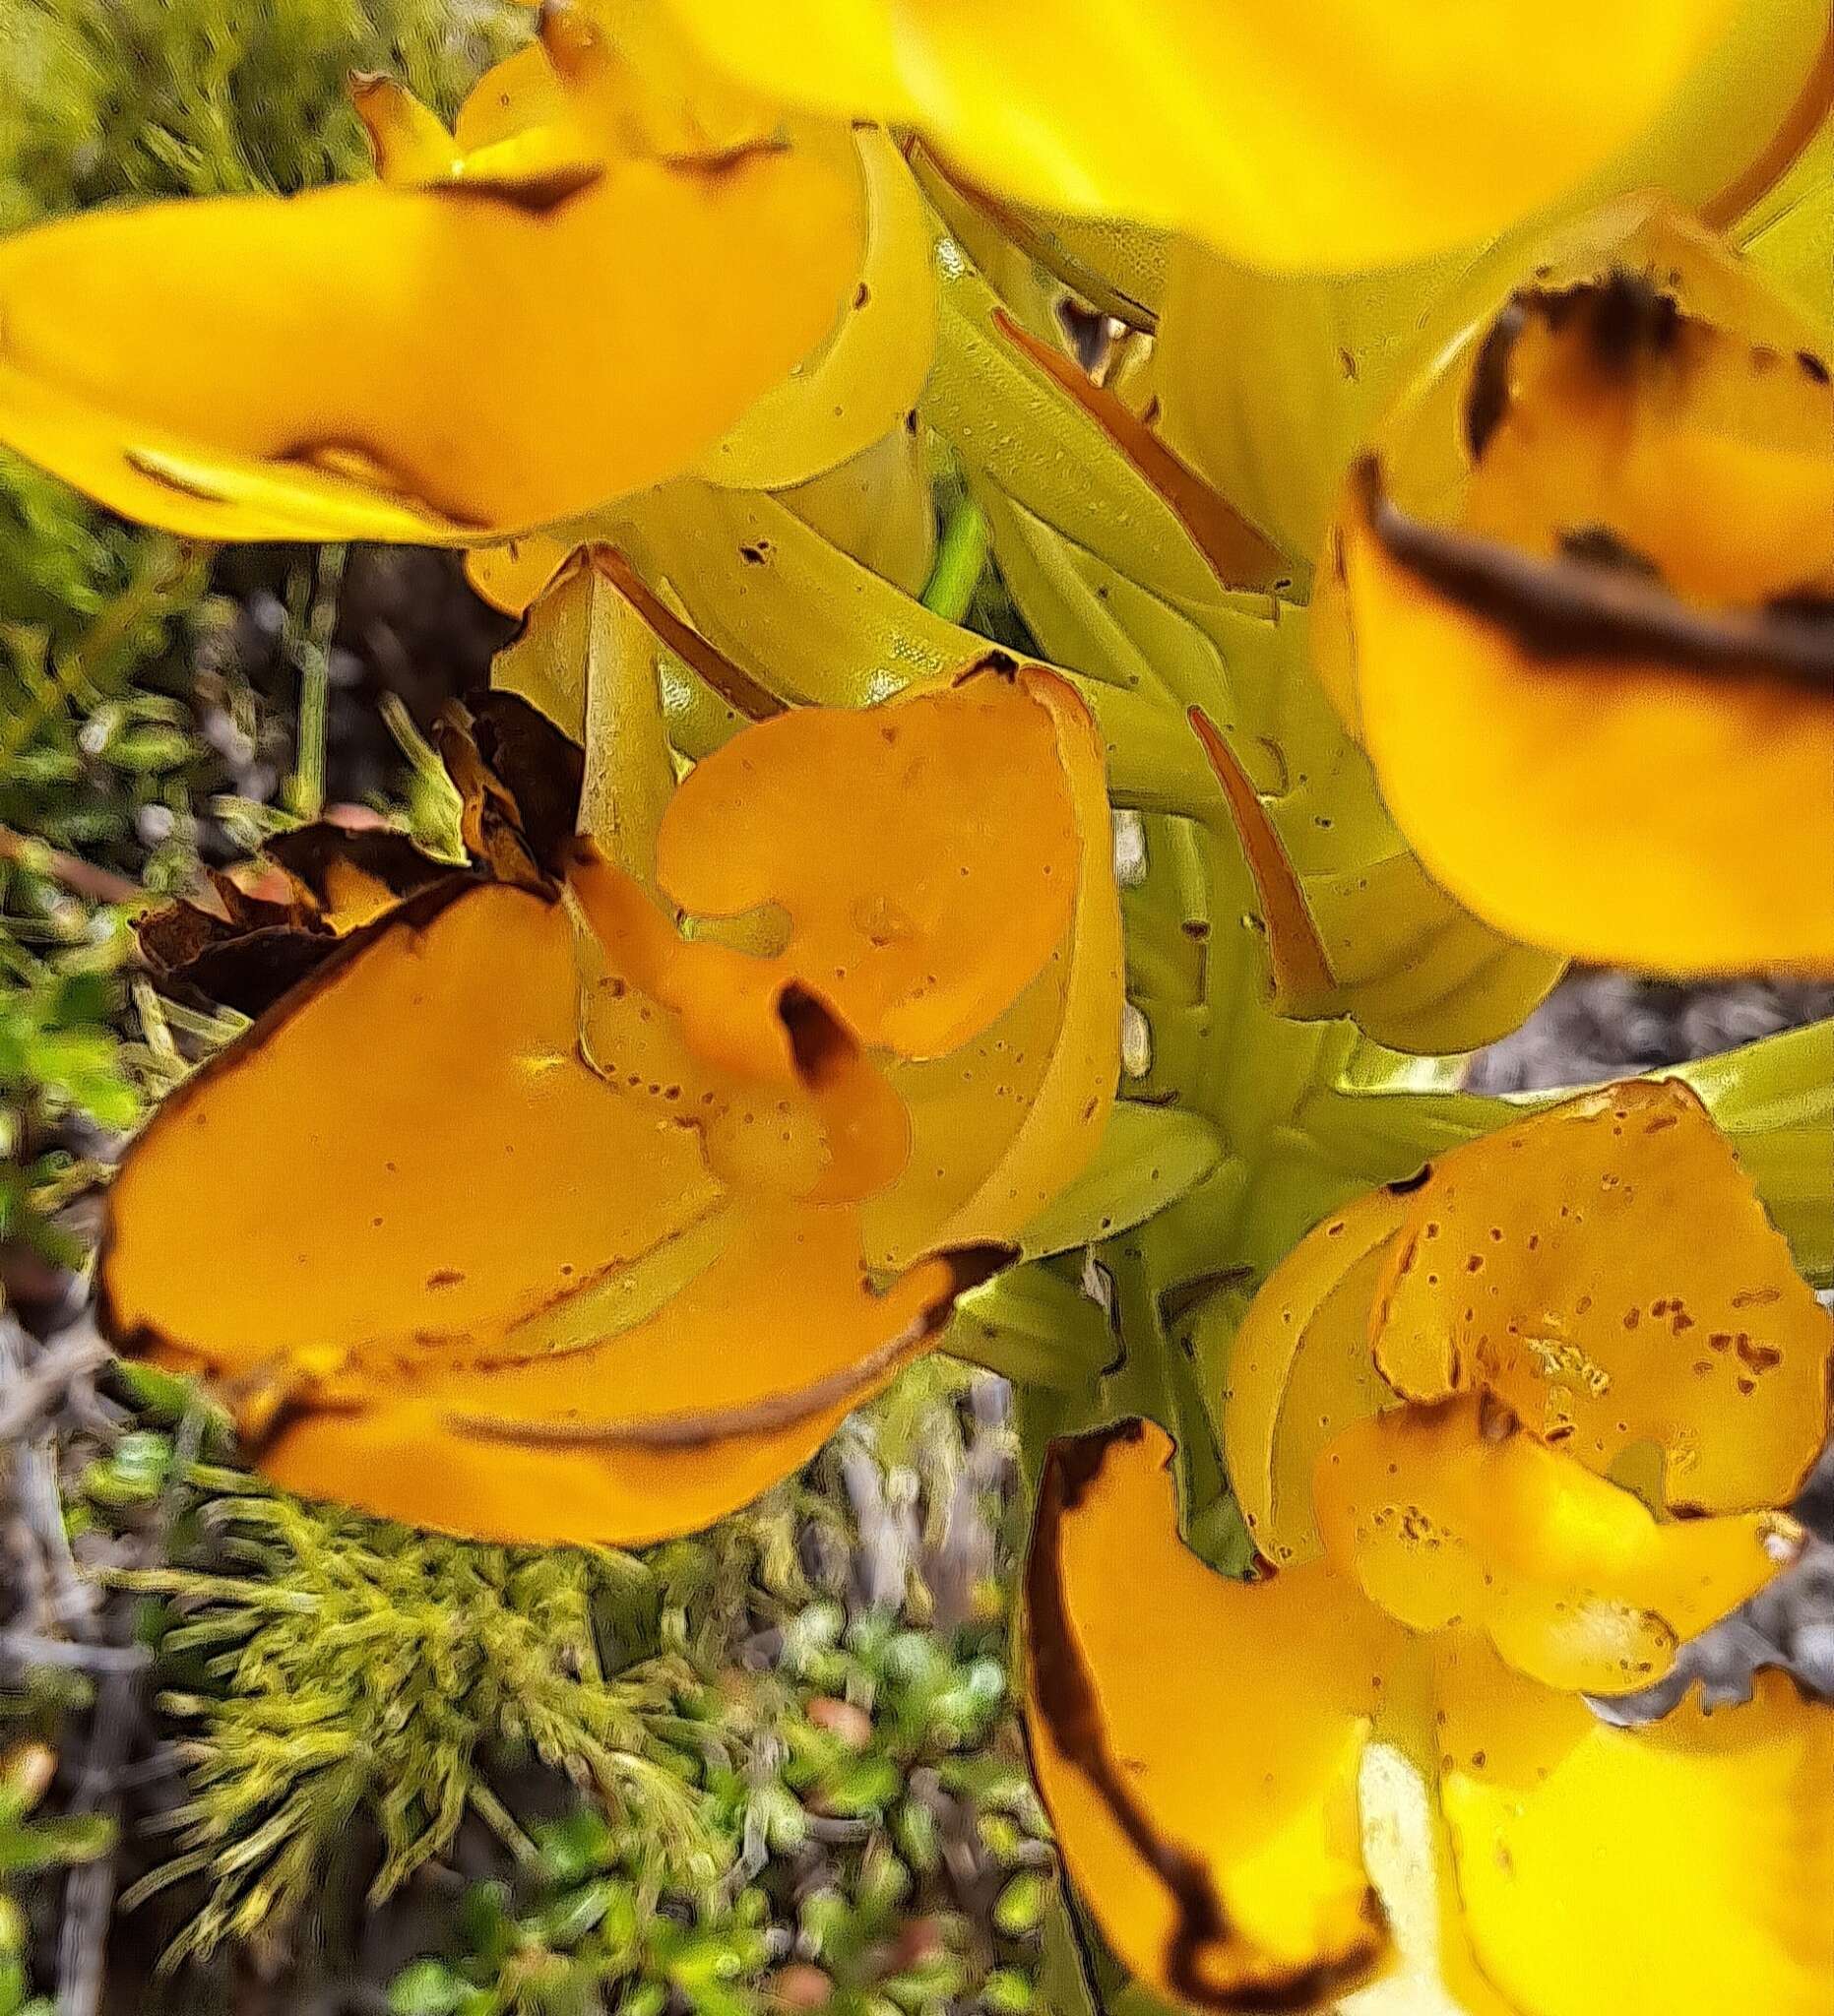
[[409, 1148], [448, 382], [1586, 763], [1606, 1271], [1197, 1741], [1620, 586], [659, 1431], [1638, 1872], [1449, 1515]]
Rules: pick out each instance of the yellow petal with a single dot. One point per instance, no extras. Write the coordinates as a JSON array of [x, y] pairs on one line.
[[1606, 1271], [939, 813], [415, 363], [1450, 1516], [1623, 583], [658, 1430], [1639, 1873], [863, 381], [1197, 1741], [1268, 383], [1335, 136], [1301, 1370], [410, 1334], [1003, 1123]]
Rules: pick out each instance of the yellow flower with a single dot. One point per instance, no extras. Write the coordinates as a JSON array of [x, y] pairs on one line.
[[1589, 651], [617, 266], [538, 1219], [1340, 135], [1464, 1420]]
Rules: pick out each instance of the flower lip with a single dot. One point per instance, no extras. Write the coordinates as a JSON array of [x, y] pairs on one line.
[[1064, 1694], [1580, 612]]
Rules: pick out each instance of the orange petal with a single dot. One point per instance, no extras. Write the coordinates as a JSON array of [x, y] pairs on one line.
[[1197, 1741], [1449, 1516], [947, 862], [1607, 1272]]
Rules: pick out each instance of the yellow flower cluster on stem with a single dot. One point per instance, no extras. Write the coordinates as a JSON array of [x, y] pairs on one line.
[[1430, 552]]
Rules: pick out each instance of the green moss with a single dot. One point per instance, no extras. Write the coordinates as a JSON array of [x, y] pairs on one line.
[[151, 97], [326, 1668]]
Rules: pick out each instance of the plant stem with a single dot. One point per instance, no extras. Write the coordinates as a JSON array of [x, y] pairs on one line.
[[960, 559]]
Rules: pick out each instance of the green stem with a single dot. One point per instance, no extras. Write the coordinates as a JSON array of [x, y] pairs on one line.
[[313, 630], [961, 560]]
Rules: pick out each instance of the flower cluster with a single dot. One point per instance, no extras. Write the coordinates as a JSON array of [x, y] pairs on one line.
[[1421, 529]]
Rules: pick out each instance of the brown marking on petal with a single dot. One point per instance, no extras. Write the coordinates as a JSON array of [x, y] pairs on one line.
[[1064, 1692], [1582, 616], [358, 463], [538, 195], [821, 1044], [701, 1428], [1488, 397], [1598, 545], [309, 854], [1623, 317]]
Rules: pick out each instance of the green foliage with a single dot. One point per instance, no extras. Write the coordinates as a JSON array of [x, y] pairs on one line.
[[147, 98], [841, 1812], [850, 1779], [327, 1667]]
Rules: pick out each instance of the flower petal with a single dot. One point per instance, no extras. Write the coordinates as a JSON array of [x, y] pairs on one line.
[[862, 382], [407, 1104], [655, 1431], [1337, 137], [501, 1295], [1636, 1872], [1197, 1741], [1605, 1269], [1301, 1370], [1624, 584], [1448, 1515], [941, 814], [445, 380], [1006, 1120]]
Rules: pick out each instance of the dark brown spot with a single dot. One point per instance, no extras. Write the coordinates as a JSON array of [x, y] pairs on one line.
[[1585, 617]]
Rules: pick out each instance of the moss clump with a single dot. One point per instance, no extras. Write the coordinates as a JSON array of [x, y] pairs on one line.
[[328, 1673], [153, 98]]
